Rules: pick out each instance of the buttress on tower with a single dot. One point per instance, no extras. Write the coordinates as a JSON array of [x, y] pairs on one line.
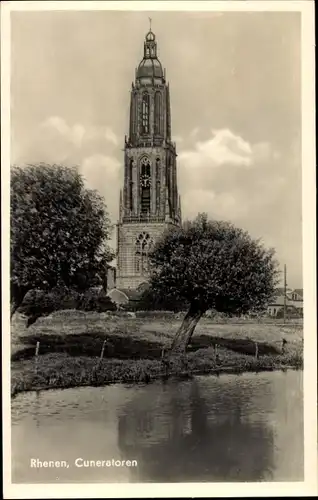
[[149, 201]]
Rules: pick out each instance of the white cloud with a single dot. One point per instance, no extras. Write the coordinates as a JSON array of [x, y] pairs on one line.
[[111, 136], [251, 185], [78, 134], [56, 141], [101, 171], [57, 123], [104, 174], [223, 147], [232, 179]]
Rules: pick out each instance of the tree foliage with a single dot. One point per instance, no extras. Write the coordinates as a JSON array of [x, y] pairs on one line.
[[212, 265], [59, 230], [39, 303], [152, 301]]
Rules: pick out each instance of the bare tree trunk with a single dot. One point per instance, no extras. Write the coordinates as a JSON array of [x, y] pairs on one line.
[[184, 334]]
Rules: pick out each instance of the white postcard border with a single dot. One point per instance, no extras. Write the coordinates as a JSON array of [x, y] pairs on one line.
[[309, 485]]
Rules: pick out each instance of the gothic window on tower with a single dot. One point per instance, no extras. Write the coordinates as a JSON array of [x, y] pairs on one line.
[[158, 112], [145, 184], [145, 168], [145, 114], [143, 246], [130, 186], [158, 169]]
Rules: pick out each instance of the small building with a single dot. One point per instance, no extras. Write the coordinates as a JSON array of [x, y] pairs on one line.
[[124, 296], [294, 302], [297, 296]]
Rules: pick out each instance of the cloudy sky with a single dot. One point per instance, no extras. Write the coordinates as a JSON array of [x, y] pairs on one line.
[[235, 98]]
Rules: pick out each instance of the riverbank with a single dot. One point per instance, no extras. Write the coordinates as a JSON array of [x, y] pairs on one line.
[[62, 371], [71, 345]]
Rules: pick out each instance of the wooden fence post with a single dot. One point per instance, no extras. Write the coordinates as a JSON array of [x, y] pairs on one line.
[[216, 356], [102, 351], [37, 348]]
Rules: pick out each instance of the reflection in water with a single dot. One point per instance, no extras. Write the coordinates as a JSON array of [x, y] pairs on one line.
[[227, 428], [202, 433]]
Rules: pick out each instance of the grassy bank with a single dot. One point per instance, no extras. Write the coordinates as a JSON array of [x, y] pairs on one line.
[[70, 344]]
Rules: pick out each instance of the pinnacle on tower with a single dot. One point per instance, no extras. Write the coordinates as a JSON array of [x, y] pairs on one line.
[[121, 208]]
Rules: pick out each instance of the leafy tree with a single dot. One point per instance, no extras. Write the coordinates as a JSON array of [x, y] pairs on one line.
[[211, 264], [59, 231]]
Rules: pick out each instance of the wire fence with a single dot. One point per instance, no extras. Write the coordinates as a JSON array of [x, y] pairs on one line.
[[282, 343]]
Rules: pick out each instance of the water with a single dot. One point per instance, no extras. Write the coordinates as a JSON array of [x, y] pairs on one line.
[[229, 428]]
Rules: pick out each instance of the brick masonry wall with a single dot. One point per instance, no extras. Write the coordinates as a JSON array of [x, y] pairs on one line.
[[127, 236]]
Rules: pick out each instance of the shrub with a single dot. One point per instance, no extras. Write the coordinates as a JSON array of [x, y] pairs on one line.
[[39, 303], [95, 301]]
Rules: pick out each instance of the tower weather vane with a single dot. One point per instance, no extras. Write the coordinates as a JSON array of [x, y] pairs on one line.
[[150, 22]]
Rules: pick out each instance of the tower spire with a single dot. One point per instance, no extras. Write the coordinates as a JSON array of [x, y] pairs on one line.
[[150, 45]]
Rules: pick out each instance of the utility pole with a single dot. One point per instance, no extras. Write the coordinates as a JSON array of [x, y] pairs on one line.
[[285, 291]]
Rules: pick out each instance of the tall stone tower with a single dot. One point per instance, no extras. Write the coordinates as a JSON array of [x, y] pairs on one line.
[[149, 201]]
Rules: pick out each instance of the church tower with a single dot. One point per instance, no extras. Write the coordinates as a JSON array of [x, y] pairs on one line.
[[149, 201]]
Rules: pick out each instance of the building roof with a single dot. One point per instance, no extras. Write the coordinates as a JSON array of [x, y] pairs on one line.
[[280, 291], [150, 68], [278, 298], [131, 295], [150, 37]]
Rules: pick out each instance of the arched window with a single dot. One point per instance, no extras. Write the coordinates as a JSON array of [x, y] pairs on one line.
[[130, 187], [157, 184], [144, 244], [145, 185], [145, 114], [145, 167], [158, 113]]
